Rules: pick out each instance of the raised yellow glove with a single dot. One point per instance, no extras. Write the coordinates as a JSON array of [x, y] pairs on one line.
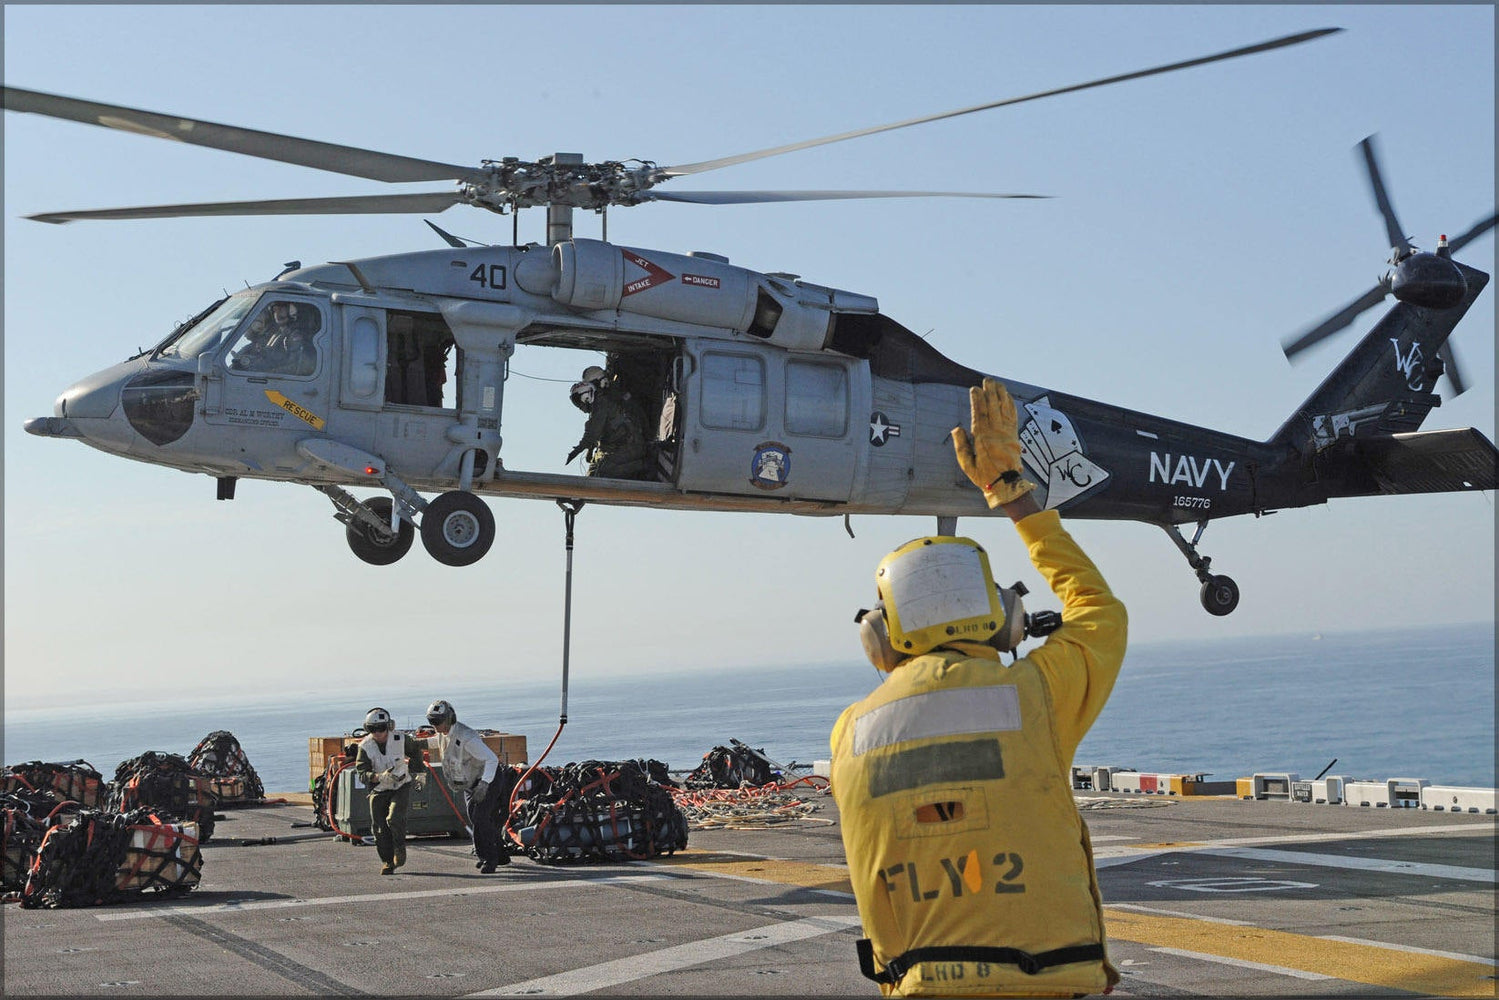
[[991, 459]]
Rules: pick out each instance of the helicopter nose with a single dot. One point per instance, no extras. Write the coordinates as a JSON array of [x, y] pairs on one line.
[[90, 409], [93, 398]]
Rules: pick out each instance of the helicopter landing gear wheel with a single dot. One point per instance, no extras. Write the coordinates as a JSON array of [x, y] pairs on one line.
[[457, 528], [1220, 595], [379, 548]]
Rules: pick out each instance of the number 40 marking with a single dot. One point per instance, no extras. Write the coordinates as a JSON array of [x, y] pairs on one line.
[[490, 276]]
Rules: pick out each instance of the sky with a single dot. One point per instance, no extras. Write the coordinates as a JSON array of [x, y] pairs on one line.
[[1196, 220]]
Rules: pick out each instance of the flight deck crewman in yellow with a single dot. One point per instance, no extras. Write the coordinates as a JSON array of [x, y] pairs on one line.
[[972, 869]]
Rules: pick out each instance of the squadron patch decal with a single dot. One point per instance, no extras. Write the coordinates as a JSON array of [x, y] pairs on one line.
[[1051, 448], [770, 468], [295, 409]]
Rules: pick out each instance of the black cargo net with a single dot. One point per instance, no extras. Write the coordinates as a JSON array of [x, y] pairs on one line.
[[596, 811], [25, 816], [220, 757], [102, 857], [75, 781], [166, 784], [732, 767]]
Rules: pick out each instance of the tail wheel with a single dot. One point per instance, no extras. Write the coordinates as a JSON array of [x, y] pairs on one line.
[[457, 528], [1220, 595], [380, 548]]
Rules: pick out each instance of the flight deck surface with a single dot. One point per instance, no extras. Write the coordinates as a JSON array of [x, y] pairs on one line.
[[1213, 897]]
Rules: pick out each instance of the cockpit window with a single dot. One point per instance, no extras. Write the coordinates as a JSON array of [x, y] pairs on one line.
[[206, 334], [279, 340]]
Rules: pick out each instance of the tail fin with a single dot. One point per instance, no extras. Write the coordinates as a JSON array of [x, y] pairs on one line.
[[1387, 384]]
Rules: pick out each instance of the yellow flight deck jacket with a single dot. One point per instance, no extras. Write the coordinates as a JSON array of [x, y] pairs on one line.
[[970, 864]]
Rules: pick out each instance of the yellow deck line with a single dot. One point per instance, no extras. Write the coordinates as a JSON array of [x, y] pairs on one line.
[[1357, 963], [803, 873]]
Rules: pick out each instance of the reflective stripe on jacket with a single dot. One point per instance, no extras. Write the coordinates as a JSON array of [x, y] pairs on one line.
[[953, 780]]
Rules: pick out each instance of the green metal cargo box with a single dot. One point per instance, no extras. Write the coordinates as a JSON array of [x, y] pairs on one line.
[[431, 814]]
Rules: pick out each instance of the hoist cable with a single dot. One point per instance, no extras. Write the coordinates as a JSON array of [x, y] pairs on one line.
[[570, 510]]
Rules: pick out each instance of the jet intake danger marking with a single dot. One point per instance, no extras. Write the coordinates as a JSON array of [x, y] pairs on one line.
[[296, 409], [1188, 470], [700, 280], [654, 274]]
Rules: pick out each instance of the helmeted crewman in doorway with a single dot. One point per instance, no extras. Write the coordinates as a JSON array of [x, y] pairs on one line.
[[971, 866], [614, 435]]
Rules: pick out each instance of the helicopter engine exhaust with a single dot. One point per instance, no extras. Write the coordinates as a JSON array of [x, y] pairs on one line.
[[699, 289]]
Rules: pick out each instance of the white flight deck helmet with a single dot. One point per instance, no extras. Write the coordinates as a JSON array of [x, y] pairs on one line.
[[933, 591], [584, 392], [441, 711], [378, 719]]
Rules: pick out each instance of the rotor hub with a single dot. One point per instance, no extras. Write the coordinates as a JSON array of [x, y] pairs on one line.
[[500, 185]]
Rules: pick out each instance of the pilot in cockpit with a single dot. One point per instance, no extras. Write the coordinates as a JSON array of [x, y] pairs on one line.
[[276, 342]]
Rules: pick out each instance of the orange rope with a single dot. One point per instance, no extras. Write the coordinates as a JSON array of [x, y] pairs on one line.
[[510, 805]]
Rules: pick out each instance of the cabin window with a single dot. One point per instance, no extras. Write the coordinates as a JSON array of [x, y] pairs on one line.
[[420, 363], [279, 340], [364, 357], [733, 391], [816, 399]]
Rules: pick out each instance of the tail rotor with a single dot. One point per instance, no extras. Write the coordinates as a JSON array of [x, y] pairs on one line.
[[1430, 280]]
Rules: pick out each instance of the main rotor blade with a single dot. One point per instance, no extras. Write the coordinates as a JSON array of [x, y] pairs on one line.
[[760, 197], [1479, 228], [1335, 322], [266, 145], [727, 161], [434, 201], [1391, 224], [1453, 372]]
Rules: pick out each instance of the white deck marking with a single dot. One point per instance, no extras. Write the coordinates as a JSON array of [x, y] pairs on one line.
[[373, 897], [1428, 869], [653, 963], [1241, 963], [1124, 854], [1137, 908], [1454, 955]]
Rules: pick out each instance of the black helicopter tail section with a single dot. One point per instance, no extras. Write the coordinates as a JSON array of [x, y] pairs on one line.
[[1358, 433], [1387, 384]]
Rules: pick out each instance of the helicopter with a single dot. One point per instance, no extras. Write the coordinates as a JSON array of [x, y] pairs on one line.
[[762, 392]]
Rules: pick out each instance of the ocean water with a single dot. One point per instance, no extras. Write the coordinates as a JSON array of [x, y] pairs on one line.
[[1416, 703]]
